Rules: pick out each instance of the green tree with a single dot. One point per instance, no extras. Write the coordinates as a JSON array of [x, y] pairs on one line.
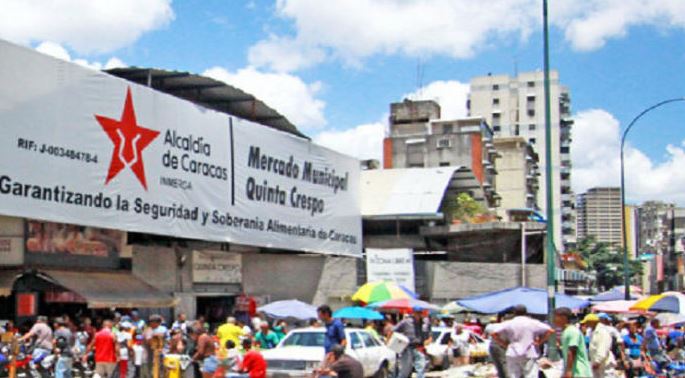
[[462, 207], [607, 262]]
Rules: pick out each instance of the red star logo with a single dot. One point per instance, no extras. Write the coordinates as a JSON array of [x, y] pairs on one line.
[[130, 139]]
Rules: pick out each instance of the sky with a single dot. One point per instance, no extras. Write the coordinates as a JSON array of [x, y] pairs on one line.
[[333, 67]]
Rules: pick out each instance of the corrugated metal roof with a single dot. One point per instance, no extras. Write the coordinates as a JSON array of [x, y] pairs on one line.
[[405, 192], [207, 92]]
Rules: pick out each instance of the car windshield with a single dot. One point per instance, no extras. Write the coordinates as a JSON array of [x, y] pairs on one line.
[[305, 339]]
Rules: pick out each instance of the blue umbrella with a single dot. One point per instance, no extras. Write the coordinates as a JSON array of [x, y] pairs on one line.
[[289, 309], [357, 313], [615, 294], [535, 301]]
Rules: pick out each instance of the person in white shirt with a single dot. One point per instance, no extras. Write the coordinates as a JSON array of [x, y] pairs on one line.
[[460, 345], [601, 357], [521, 336], [497, 353]]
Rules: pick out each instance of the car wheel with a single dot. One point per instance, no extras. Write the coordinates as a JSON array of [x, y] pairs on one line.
[[383, 371]]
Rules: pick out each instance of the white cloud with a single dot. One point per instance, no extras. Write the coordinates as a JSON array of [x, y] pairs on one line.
[[357, 29], [86, 26], [58, 51], [589, 24], [363, 142], [596, 161], [450, 94], [284, 54], [286, 93]]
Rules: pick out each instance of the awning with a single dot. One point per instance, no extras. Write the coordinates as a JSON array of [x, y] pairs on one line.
[[111, 289], [7, 278]]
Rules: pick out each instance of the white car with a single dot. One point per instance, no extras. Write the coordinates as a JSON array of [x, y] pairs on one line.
[[301, 352], [440, 351]]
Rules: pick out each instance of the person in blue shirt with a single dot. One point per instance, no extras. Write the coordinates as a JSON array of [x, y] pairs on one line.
[[335, 330], [633, 351], [675, 337], [652, 344]]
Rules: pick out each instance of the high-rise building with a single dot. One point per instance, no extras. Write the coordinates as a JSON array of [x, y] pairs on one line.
[[599, 215], [419, 138], [515, 106], [517, 174]]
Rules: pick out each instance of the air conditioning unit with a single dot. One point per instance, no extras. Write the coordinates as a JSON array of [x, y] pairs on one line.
[[444, 143]]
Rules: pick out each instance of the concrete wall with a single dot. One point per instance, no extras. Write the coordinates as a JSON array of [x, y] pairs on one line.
[[511, 176], [311, 278], [454, 280], [282, 276]]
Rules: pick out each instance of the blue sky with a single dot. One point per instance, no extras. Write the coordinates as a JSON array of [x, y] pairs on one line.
[[349, 59]]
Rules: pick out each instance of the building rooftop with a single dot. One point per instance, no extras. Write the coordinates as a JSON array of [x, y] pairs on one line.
[[412, 192], [208, 92]]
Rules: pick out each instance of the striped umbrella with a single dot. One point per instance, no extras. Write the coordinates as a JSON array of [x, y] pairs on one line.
[[405, 305], [669, 301], [379, 291]]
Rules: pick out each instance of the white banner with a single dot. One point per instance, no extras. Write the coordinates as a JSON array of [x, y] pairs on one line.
[[80, 146], [396, 265]]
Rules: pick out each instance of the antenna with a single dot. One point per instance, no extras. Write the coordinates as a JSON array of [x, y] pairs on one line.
[[420, 70], [516, 65]]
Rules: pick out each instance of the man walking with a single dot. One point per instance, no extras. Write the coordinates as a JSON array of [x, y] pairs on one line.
[[229, 331], [204, 355], [104, 344], [335, 330], [521, 337], [64, 341], [418, 333], [601, 341], [574, 352], [652, 344], [496, 351]]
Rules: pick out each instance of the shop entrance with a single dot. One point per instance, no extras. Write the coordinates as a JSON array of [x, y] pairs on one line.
[[215, 309]]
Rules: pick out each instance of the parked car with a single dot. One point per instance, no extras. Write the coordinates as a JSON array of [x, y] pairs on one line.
[[301, 352], [440, 351]]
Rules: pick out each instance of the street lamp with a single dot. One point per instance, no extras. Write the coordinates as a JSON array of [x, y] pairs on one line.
[[626, 274]]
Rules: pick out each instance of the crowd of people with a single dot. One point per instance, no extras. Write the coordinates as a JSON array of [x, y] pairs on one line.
[[598, 345], [125, 346]]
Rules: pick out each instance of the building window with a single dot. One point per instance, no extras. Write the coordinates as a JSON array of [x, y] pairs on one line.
[[565, 150], [495, 101], [444, 164], [447, 129], [531, 112], [496, 128], [415, 154], [516, 130], [531, 84], [444, 143], [531, 140], [531, 127], [495, 87]]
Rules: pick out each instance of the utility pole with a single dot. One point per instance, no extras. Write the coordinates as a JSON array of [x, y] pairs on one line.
[[549, 248]]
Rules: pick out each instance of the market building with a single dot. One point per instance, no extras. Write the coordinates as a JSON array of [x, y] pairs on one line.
[[162, 191]]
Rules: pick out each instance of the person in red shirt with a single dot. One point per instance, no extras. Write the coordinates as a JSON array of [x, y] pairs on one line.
[[253, 363], [104, 344]]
